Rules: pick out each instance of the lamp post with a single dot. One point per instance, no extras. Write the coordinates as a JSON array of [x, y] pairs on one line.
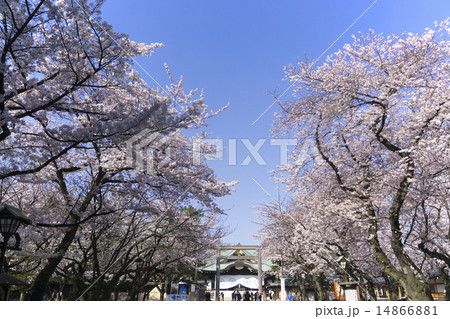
[[342, 261], [10, 220]]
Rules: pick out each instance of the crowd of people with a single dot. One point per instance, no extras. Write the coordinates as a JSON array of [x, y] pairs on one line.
[[246, 296]]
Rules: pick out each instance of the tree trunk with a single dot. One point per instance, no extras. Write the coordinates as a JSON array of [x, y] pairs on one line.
[[106, 292], [301, 287], [162, 291], [444, 275], [132, 294], [415, 289], [77, 287], [443, 272], [42, 279], [370, 290], [447, 289], [319, 282], [98, 291]]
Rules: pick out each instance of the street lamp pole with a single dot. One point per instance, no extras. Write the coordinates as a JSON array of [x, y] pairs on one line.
[[10, 220], [3, 252], [342, 261]]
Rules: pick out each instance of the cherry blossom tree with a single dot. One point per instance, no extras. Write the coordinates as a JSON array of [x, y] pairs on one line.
[[378, 113], [70, 101], [312, 246], [102, 257], [284, 241], [60, 65], [75, 196]]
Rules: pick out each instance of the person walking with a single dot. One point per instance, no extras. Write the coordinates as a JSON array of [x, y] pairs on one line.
[[246, 295], [290, 296]]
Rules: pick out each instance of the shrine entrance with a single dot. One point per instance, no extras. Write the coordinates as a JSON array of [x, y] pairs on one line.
[[238, 257]]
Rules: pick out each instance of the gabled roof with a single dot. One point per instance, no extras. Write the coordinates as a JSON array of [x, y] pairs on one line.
[[6, 209], [252, 263]]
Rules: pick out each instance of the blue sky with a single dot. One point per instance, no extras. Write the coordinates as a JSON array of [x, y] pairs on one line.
[[235, 50]]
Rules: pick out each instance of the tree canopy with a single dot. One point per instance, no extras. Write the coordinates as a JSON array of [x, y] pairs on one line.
[[375, 187]]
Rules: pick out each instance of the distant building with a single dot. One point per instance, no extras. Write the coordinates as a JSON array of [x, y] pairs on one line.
[[240, 268]]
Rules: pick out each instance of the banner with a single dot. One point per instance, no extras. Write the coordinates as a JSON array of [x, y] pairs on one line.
[[247, 281]]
